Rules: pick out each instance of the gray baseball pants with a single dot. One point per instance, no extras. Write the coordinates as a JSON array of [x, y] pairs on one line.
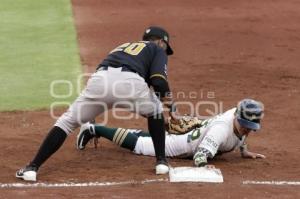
[[107, 89]]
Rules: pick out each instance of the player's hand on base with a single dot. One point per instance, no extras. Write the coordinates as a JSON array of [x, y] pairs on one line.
[[200, 159], [248, 154]]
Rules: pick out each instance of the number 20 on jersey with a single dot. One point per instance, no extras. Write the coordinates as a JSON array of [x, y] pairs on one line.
[[130, 48]]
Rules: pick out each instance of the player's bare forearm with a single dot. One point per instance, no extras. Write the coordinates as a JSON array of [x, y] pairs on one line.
[[245, 153], [249, 154], [173, 111], [168, 102]]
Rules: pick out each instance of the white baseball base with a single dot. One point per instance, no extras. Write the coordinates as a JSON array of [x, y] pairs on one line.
[[195, 174]]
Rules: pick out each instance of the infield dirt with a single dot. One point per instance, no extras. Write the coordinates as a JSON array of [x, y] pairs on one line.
[[229, 49]]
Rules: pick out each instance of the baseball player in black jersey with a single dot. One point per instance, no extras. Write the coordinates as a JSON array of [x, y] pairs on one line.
[[123, 80]]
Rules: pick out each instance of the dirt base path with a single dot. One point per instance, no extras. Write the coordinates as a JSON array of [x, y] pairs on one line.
[[224, 51]]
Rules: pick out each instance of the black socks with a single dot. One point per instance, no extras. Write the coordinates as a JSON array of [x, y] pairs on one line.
[[51, 144], [156, 126]]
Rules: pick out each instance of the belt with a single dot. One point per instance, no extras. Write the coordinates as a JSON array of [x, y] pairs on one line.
[[124, 69]]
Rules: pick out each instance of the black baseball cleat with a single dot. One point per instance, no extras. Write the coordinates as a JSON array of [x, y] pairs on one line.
[[86, 133], [162, 167], [28, 173]]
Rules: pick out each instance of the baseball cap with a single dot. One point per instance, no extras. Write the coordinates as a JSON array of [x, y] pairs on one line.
[[155, 31], [249, 113]]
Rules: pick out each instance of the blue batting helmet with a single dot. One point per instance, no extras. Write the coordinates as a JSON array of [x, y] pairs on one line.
[[249, 113]]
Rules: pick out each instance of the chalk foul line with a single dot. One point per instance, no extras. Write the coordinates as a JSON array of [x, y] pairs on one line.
[[129, 182], [72, 184], [251, 182]]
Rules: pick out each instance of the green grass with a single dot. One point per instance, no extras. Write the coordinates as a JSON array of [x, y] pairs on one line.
[[37, 46]]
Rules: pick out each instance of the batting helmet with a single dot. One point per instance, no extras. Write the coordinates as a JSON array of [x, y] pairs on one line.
[[249, 113], [154, 31]]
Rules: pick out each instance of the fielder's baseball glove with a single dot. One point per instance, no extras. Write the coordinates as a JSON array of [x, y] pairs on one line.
[[183, 125]]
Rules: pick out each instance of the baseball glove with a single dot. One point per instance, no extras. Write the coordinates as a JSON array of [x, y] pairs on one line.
[[183, 125]]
